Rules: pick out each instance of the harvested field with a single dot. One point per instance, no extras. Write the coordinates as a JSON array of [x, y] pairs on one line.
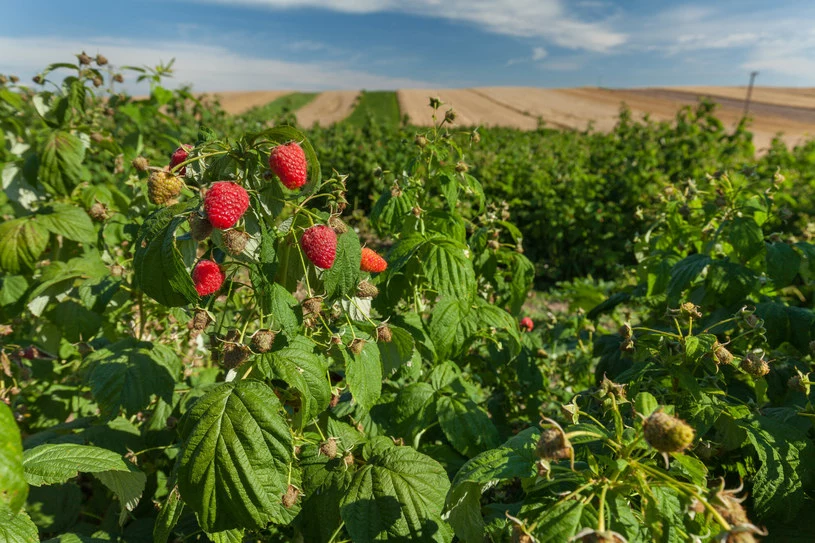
[[241, 102], [328, 108]]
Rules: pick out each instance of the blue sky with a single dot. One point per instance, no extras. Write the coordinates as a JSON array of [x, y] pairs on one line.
[[320, 44]]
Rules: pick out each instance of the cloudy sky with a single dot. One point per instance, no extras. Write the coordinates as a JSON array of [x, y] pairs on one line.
[[386, 44]]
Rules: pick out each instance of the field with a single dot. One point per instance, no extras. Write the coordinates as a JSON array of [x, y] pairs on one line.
[[523, 315], [790, 112]]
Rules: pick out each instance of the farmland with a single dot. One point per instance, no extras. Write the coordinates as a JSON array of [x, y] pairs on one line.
[[490, 314]]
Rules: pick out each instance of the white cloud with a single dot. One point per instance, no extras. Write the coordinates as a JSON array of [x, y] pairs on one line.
[[539, 53], [544, 19], [207, 67]]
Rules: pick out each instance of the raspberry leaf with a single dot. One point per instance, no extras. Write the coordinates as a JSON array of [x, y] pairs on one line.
[[466, 425], [22, 241], [12, 479], [235, 441], [342, 278], [16, 527], [69, 221], [397, 496], [363, 372]]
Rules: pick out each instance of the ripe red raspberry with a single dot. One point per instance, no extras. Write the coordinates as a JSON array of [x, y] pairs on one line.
[[372, 262], [527, 324], [288, 162], [179, 156], [208, 277], [320, 245], [225, 204]]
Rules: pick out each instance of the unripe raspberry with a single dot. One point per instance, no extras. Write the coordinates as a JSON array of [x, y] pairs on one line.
[[101, 60], [357, 345], [667, 434], [462, 167], [235, 354], [97, 137], [290, 497], [97, 82], [798, 383], [372, 262], [348, 459], [520, 536], [384, 333], [98, 212], [625, 331], [225, 203], [312, 306], [421, 141], [119, 78], [553, 445], [163, 187], [435, 102], [755, 365], [200, 320], [690, 310], [84, 59], [200, 228], [329, 447], [450, 116], [722, 355], [367, 290], [3, 80], [235, 241], [476, 137], [208, 277], [262, 341], [337, 224], [140, 163], [37, 79]]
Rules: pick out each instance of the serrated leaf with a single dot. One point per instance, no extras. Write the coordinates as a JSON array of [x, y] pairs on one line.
[[683, 273], [168, 517], [59, 462], [279, 306], [467, 426], [61, 158], [69, 221], [128, 373], [342, 278], [128, 486], [398, 351], [746, 237], [559, 522], [235, 460], [398, 495], [698, 346], [16, 527], [783, 264], [448, 269], [363, 373], [158, 263], [13, 486], [22, 241], [325, 482]]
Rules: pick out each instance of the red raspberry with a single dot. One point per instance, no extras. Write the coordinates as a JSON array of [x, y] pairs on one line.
[[372, 262], [225, 203], [208, 277], [320, 245], [179, 156], [527, 324], [288, 162]]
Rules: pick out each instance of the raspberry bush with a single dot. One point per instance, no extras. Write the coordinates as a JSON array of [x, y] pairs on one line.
[[205, 338]]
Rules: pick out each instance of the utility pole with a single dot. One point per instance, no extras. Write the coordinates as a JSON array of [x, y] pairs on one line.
[[749, 93]]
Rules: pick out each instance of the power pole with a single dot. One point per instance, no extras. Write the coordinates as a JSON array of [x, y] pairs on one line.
[[749, 93]]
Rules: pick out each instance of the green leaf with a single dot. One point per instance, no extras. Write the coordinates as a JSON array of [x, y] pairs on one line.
[[159, 266], [279, 305], [445, 326], [559, 522], [683, 274], [302, 369], [414, 409], [235, 460], [128, 486], [22, 241], [363, 373], [787, 459], [16, 527], [57, 463], [397, 496], [782, 264], [13, 486], [645, 403], [698, 346], [467, 426], [127, 374], [61, 158], [746, 237], [168, 517], [695, 470], [342, 278], [448, 269], [67, 220], [325, 482]]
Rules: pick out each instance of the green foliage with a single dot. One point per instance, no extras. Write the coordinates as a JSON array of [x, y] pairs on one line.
[[135, 409]]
